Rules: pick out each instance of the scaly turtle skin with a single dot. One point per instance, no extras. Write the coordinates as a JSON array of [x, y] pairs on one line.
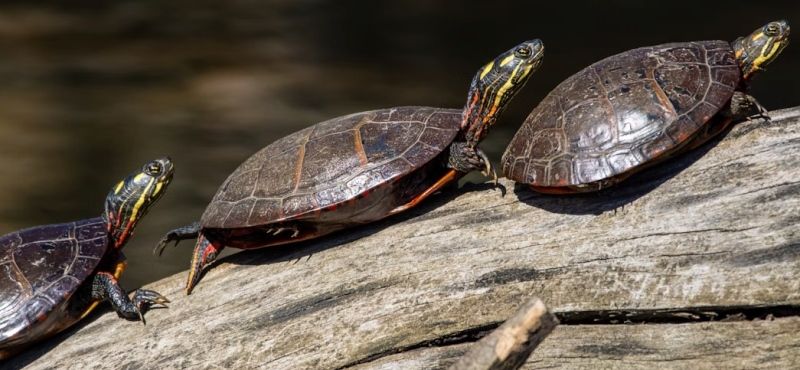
[[354, 169], [636, 108], [52, 276]]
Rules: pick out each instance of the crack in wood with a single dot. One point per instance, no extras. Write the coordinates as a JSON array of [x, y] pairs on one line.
[[678, 315], [607, 317]]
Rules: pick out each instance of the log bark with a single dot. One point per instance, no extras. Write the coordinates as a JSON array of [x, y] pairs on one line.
[[676, 265]]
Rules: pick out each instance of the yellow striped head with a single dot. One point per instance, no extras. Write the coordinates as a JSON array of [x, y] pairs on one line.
[[761, 47], [495, 84], [130, 199]]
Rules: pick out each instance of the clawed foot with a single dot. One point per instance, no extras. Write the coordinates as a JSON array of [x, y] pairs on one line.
[[465, 158], [762, 112], [276, 231], [143, 299], [745, 107], [170, 237], [487, 171], [176, 235]]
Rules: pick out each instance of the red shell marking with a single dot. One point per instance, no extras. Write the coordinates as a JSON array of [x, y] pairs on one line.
[[621, 113], [40, 269], [315, 170]]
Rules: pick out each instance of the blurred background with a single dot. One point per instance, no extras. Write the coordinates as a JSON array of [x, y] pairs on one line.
[[91, 90]]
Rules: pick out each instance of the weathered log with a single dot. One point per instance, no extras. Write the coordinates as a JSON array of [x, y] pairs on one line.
[[513, 342], [760, 344], [708, 235]]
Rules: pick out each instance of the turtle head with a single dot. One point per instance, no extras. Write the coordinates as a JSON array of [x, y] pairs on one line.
[[495, 84], [130, 199], [761, 47]]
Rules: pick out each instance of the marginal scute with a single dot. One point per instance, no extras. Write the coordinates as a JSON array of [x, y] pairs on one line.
[[301, 203], [395, 167], [63, 284], [561, 172], [365, 180], [622, 159], [266, 209], [621, 112]]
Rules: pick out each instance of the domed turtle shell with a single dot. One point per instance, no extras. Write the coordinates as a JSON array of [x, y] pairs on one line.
[[40, 270], [332, 162], [622, 112]]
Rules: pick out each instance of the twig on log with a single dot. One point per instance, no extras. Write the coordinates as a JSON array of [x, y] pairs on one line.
[[510, 345]]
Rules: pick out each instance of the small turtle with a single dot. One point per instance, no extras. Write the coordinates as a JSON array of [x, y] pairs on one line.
[[636, 108], [52, 276], [354, 169]]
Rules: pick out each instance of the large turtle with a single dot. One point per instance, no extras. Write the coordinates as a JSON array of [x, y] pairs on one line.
[[636, 108], [354, 169], [52, 276]]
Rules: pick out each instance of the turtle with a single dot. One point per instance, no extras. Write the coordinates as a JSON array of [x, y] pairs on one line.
[[637, 108], [52, 276], [354, 169]]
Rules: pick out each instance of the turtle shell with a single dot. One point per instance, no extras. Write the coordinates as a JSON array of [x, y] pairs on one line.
[[40, 270], [330, 163], [621, 113]]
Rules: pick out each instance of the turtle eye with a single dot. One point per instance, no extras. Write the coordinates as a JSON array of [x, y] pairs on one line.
[[522, 52], [772, 29], [153, 168]]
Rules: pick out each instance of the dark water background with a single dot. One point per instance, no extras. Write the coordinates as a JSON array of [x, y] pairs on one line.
[[91, 90]]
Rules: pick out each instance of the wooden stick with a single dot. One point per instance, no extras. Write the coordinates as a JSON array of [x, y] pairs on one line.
[[510, 345]]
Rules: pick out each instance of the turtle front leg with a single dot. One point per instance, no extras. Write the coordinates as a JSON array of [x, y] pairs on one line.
[[176, 235], [744, 106], [105, 287], [466, 158]]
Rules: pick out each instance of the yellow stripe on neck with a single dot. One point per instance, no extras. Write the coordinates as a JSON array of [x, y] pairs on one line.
[[762, 58], [506, 60], [119, 186], [140, 201], [502, 90], [486, 69]]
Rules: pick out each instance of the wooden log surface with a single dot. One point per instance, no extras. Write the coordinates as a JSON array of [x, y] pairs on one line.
[[710, 235]]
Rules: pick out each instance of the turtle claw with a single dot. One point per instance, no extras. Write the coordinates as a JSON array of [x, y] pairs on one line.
[[162, 244], [488, 170], [295, 231], [176, 235], [763, 113], [143, 299]]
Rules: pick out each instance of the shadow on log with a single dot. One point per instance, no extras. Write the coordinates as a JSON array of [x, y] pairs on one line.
[[706, 262]]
